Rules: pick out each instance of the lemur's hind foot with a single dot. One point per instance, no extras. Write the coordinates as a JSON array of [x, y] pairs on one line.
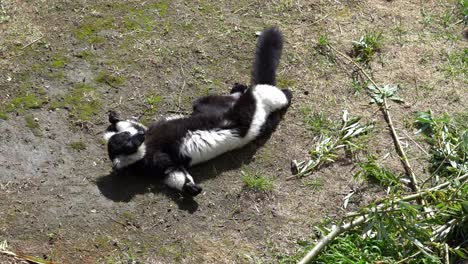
[[191, 189]]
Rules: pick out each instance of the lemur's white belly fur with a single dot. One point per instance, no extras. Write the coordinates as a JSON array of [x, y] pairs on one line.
[[203, 145]]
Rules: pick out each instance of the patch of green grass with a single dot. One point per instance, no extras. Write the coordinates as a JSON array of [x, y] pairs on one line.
[[32, 125], [200, 74], [145, 17], [427, 17], [463, 10], [372, 171], [185, 25], [101, 241], [102, 141], [58, 61], [400, 32], [283, 5], [109, 79], [22, 103], [127, 252], [83, 102], [91, 27], [461, 121], [77, 145], [446, 18], [30, 122], [323, 42], [255, 181], [151, 102], [27, 96], [358, 86], [86, 55], [365, 48], [317, 122], [285, 82], [175, 250], [442, 24], [314, 184], [160, 7], [322, 48], [457, 63], [208, 7], [426, 58], [51, 69]]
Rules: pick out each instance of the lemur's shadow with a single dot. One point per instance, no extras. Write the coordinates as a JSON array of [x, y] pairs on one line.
[[123, 185]]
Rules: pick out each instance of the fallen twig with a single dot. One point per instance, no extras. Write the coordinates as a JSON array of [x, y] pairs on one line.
[[32, 42], [244, 7], [182, 72], [320, 19]]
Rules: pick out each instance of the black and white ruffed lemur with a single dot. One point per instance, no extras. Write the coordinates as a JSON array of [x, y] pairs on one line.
[[219, 123]]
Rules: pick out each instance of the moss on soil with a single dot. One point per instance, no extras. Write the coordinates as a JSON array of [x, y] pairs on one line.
[[83, 102]]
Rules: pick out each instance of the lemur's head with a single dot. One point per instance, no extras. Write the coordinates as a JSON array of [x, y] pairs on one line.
[[125, 141]]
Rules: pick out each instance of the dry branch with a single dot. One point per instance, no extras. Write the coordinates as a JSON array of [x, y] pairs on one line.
[[32, 42], [337, 230], [388, 118]]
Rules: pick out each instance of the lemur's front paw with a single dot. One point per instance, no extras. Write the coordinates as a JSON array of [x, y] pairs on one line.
[[113, 117], [192, 189]]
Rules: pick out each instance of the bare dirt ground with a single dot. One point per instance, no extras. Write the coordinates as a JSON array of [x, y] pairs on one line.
[[64, 64]]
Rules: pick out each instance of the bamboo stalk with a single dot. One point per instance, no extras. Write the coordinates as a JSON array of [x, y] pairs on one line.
[[339, 229], [22, 257]]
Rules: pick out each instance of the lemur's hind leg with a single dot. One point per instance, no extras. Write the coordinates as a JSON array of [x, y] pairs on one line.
[[182, 181], [272, 97]]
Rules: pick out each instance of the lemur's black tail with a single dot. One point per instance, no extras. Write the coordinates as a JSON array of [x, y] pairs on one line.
[[267, 56]]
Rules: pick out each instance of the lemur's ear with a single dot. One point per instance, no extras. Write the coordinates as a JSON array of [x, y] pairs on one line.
[[113, 117]]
